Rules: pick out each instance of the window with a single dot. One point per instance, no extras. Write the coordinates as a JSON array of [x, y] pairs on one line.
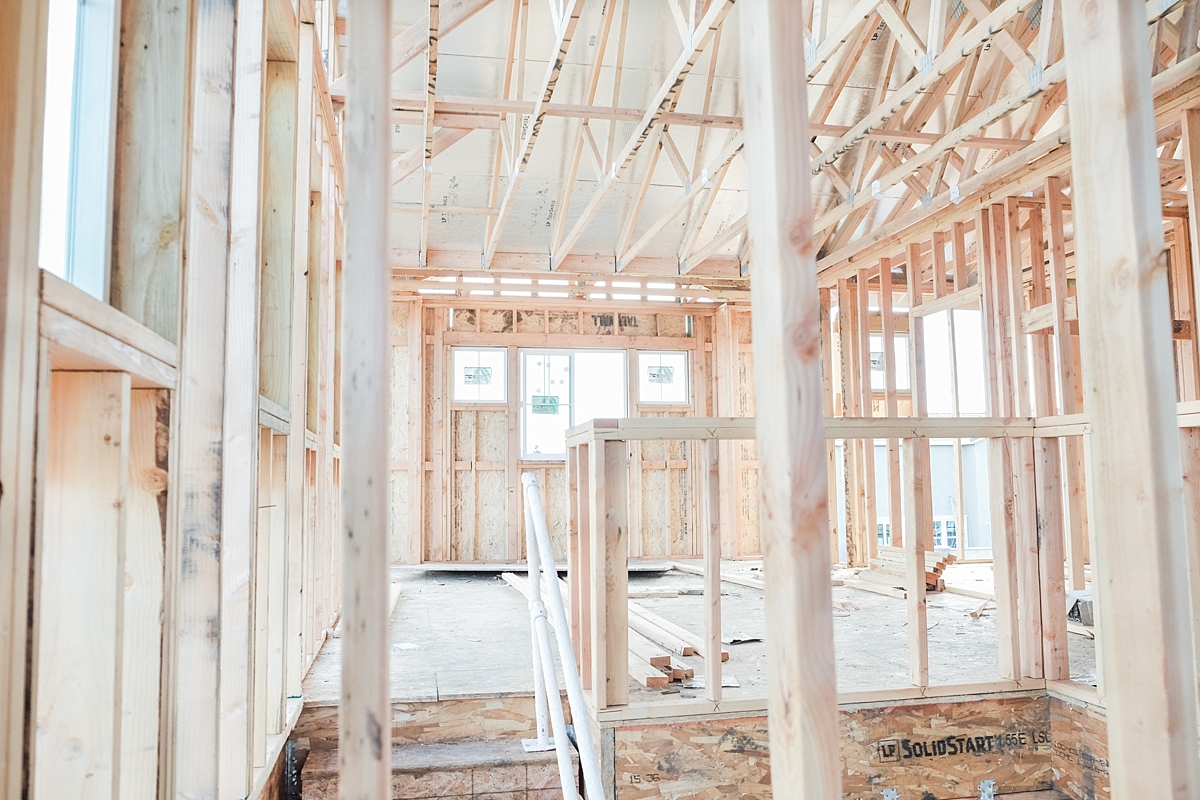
[[878, 376], [77, 142], [561, 389], [945, 533], [883, 533], [480, 374], [663, 377]]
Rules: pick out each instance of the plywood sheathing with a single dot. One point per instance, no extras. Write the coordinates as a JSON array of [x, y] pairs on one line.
[[479, 719], [936, 751]]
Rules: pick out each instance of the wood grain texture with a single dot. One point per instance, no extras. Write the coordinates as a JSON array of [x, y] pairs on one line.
[[365, 736], [150, 164], [1129, 393], [22, 65], [788, 398], [197, 435], [79, 600], [141, 656], [239, 462], [931, 750]]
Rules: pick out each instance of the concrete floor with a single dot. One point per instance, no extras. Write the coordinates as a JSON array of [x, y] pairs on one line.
[[467, 635]]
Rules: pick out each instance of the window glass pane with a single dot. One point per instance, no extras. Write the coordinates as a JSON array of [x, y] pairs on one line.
[[480, 375], [663, 377], [878, 375], [901, 343], [56, 135], [77, 142], [599, 389], [968, 346], [939, 388], [546, 403]]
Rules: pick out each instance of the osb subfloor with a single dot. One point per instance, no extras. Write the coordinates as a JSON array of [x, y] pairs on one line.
[[467, 635]]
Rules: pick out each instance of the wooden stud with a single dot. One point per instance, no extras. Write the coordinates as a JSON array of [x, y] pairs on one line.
[[1135, 479], [895, 505], [870, 508], [77, 704], [802, 694], [198, 425], [364, 713], [918, 511], [240, 407], [712, 569], [141, 640], [999, 450], [22, 65], [297, 472]]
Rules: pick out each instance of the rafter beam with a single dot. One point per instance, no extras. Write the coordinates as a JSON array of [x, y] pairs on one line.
[[410, 162], [693, 190], [586, 136], [954, 138], [412, 41], [895, 102], [431, 71], [566, 30], [736, 229], [898, 24], [1009, 46], [663, 98]]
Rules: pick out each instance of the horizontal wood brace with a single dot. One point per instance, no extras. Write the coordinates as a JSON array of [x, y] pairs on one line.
[[76, 345], [574, 340], [675, 463]]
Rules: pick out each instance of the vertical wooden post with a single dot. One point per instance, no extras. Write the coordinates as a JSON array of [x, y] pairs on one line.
[[888, 320], [77, 702], [597, 487], [847, 334], [1125, 337], [297, 451], [725, 396], [999, 450], [239, 449], [827, 374], [613, 540], [364, 718], [918, 512], [573, 543], [1029, 607], [416, 432], [197, 435], [22, 86], [1076, 542], [918, 518], [712, 569], [142, 633], [806, 756], [1048, 476], [581, 583], [870, 506]]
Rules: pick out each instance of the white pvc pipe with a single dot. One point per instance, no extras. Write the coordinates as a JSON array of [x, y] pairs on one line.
[[588, 759], [539, 681], [550, 691]]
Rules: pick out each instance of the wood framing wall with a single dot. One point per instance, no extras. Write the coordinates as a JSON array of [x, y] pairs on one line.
[[185, 565], [460, 501]]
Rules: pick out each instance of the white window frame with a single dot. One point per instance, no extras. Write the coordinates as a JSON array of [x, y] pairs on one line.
[[91, 149], [503, 376], [687, 377], [559, 351]]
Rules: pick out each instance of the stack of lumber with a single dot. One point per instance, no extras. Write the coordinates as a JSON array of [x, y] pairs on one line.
[[888, 572], [656, 645]]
